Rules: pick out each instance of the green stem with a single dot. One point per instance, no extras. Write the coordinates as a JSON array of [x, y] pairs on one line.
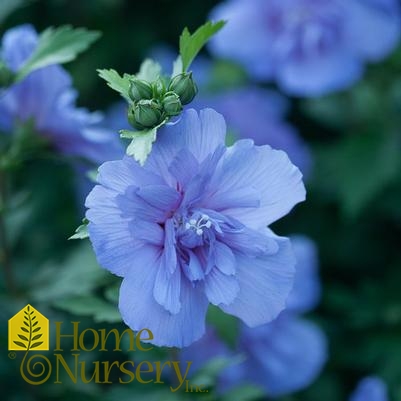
[[5, 254]]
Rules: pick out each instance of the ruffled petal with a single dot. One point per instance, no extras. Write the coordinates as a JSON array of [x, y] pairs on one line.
[[265, 283], [220, 288], [268, 171], [109, 233], [167, 288], [140, 310]]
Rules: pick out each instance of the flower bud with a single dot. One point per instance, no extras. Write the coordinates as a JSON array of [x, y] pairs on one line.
[[172, 104], [140, 89], [159, 88], [184, 86], [132, 121], [147, 113]]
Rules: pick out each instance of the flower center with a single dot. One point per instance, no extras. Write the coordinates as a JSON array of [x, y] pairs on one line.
[[199, 224]]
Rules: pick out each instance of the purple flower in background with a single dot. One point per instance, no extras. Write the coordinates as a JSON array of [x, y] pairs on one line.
[[284, 355], [189, 228], [370, 389], [309, 47], [259, 114], [47, 97], [305, 294]]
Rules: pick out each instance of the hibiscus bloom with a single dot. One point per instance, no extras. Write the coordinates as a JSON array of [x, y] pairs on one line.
[[190, 227]]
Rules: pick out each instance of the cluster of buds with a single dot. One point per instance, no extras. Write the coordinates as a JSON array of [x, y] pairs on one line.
[[155, 102]]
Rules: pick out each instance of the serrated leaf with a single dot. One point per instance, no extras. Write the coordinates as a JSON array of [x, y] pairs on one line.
[[190, 45], [117, 82], [149, 70], [20, 344], [81, 232], [22, 337], [36, 337], [56, 46], [141, 144], [36, 344]]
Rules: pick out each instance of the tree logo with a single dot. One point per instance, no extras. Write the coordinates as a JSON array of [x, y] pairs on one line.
[[28, 330]]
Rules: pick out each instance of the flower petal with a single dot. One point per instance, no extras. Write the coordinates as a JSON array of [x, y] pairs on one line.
[[224, 258], [270, 172], [109, 233], [284, 356], [306, 292], [265, 283], [220, 288], [167, 288], [139, 309]]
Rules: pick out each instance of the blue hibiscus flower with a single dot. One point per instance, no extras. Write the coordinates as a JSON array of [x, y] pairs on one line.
[[46, 96], [189, 228], [309, 47]]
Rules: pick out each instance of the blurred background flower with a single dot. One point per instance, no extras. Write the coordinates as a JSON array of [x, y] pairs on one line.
[[309, 47]]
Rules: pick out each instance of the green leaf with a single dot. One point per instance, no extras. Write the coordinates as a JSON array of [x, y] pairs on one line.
[[7, 7], [117, 82], [225, 325], [141, 144], [56, 46], [100, 310], [244, 393], [208, 374], [360, 168], [190, 45], [82, 231], [149, 70], [79, 274]]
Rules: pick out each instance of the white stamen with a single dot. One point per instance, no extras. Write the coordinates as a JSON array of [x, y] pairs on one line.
[[187, 226], [192, 222], [199, 231], [208, 224]]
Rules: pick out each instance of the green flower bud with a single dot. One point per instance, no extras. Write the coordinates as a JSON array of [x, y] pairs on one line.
[[172, 104], [6, 75], [184, 86], [140, 89], [147, 113], [132, 121], [159, 89]]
